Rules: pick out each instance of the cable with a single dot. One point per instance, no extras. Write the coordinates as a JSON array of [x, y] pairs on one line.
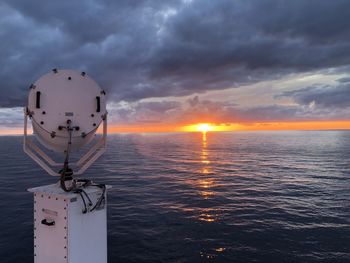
[[102, 197], [98, 203], [87, 196], [78, 191], [67, 173]]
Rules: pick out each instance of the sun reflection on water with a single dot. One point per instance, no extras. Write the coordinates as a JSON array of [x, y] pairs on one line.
[[204, 152], [208, 215], [206, 182]]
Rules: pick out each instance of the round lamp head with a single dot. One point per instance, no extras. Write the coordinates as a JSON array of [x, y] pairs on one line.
[[66, 98]]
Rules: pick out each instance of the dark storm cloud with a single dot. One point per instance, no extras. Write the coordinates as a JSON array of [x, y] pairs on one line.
[[143, 49]]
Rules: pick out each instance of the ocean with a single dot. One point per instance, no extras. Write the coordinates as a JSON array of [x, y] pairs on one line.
[[189, 197]]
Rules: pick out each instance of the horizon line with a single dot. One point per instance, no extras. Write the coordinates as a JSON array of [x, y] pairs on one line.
[[200, 132], [213, 127]]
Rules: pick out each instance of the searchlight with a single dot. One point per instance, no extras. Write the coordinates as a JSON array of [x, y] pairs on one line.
[[66, 108]]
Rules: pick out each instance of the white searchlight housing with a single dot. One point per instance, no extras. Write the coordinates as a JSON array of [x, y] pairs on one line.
[[61, 96], [66, 108]]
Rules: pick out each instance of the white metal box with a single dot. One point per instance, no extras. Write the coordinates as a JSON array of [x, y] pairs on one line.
[[63, 233]]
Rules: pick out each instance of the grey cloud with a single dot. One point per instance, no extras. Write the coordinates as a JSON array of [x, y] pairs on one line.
[[144, 112], [226, 112], [344, 80], [11, 118], [145, 49], [266, 113], [161, 106], [331, 97], [197, 110]]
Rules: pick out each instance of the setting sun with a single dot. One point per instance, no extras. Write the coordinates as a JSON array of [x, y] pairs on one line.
[[204, 127], [207, 127]]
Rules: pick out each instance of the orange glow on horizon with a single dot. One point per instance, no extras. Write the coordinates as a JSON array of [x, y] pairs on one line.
[[4, 132], [285, 126], [202, 127], [268, 126]]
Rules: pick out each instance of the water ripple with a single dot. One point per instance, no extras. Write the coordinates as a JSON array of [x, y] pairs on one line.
[[228, 197]]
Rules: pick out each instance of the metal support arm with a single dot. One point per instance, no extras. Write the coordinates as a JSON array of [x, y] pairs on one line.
[[46, 162]]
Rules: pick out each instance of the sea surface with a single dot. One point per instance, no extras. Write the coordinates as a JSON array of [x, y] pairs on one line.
[[219, 197]]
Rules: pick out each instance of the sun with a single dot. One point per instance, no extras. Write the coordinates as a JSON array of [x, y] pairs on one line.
[[204, 127]]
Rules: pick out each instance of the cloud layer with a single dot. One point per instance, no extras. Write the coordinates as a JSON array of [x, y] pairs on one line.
[[152, 49], [140, 49]]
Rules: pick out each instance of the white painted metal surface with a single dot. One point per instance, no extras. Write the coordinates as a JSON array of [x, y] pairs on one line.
[[75, 237], [66, 95], [54, 99]]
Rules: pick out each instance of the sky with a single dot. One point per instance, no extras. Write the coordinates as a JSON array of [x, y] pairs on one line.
[[238, 64]]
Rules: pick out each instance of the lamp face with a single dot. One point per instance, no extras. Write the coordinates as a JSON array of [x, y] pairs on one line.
[[64, 95]]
